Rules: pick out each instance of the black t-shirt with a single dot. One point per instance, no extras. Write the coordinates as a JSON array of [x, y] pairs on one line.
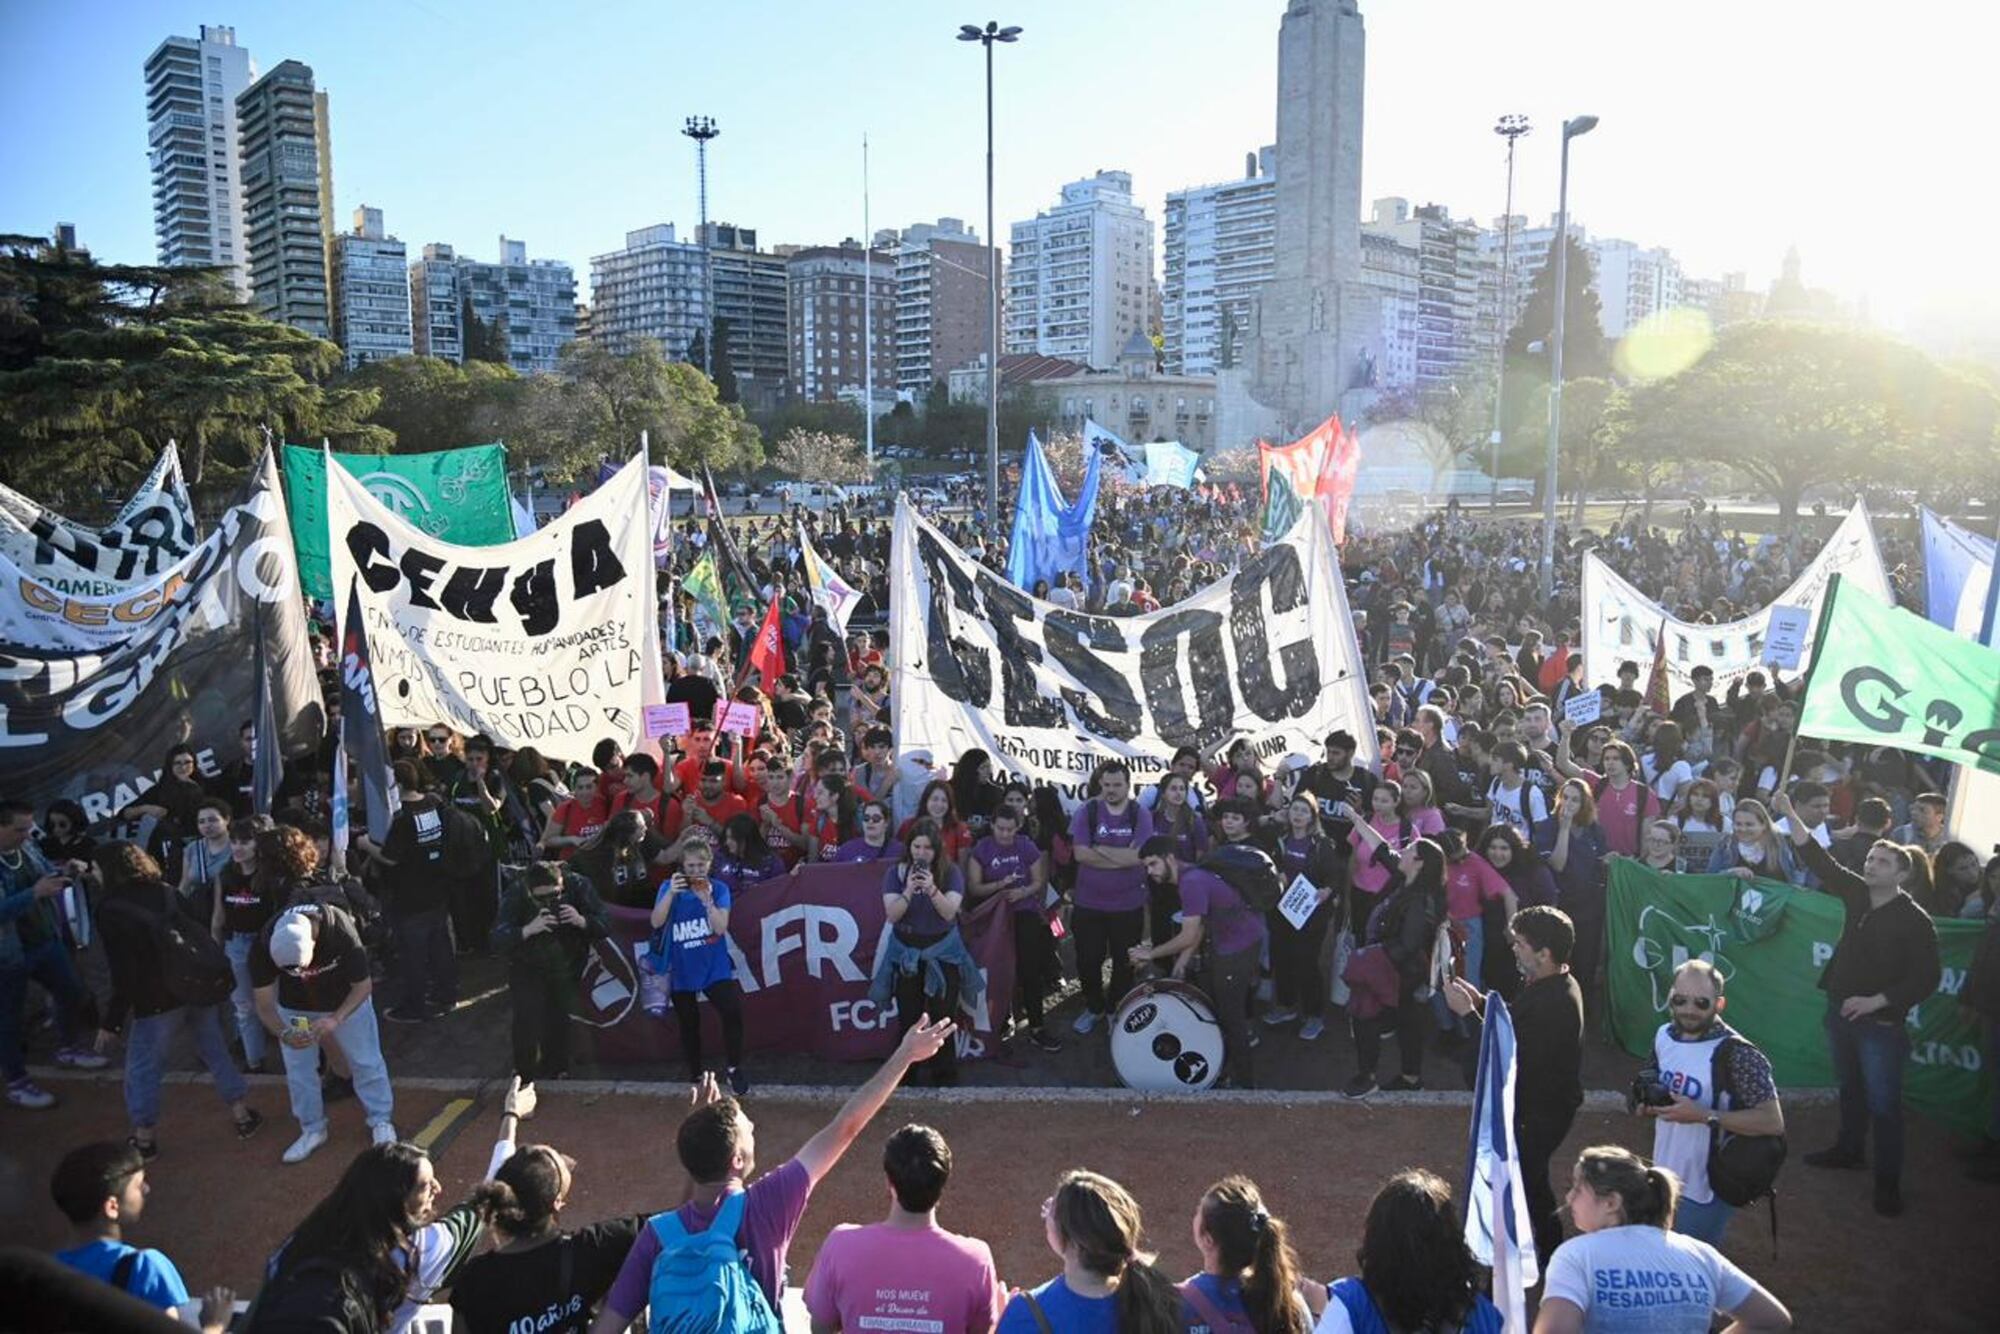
[[623, 876], [244, 909], [417, 843], [339, 962], [696, 691], [496, 1293]]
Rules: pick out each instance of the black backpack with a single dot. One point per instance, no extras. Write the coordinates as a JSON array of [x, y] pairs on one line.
[[193, 966], [1247, 870], [1742, 1169], [318, 1294]]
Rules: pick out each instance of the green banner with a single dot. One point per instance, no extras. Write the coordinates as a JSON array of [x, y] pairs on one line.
[[1771, 943], [1882, 676], [459, 495]]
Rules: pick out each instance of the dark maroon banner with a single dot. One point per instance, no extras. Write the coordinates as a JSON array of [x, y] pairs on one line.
[[804, 948]]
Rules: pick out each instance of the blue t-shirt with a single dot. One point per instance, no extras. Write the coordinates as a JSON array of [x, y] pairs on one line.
[[1067, 1313], [1224, 1294], [154, 1279], [696, 958]]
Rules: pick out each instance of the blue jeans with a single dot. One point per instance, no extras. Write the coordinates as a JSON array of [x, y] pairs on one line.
[[146, 1043], [1703, 1222], [248, 1027], [1868, 1059], [49, 964], [361, 1042]]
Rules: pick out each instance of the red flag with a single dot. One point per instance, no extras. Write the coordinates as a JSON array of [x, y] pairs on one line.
[[1338, 471], [767, 655], [1659, 695], [1554, 668]]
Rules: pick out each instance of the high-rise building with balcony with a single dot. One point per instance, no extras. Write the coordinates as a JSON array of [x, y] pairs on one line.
[[528, 307], [281, 126], [1450, 338], [371, 291], [836, 293], [1219, 248], [1391, 268], [652, 288], [1633, 283], [943, 302], [436, 323], [749, 286], [192, 84], [1080, 276]]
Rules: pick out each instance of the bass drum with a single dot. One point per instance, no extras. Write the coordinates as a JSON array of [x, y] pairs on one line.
[[1165, 1039]]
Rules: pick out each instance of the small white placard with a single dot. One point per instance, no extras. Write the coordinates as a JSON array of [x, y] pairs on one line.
[[1585, 708], [1785, 638], [1299, 901]]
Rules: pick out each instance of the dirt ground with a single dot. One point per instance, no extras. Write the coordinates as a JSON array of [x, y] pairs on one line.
[[217, 1206]]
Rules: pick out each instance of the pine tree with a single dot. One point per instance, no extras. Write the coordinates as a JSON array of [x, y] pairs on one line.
[[724, 370]]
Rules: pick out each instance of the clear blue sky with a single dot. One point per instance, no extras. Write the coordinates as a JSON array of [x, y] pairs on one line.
[[1729, 129]]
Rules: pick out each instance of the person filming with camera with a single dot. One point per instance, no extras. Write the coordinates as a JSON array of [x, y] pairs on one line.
[[1706, 1085]]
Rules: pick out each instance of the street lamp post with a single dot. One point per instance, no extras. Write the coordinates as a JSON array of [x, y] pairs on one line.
[[701, 129], [1511, 128], [1580, 125], [987, 36]]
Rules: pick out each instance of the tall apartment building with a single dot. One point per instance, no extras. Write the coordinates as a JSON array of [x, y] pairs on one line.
[[749, 286], [835, 294], [1530, 253], [943, 302], [1080, 276], [1450, 338], [650, 289], [1633, 283], [192, 84], [281, 125], [371, 291], [1219, 249], [1391, 268], [530, 305]]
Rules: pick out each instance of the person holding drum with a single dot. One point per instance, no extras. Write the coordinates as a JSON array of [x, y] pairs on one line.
[[1211, 911], [923, 962]]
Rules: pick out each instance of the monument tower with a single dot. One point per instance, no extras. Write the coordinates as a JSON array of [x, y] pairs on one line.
[[1314, 326]]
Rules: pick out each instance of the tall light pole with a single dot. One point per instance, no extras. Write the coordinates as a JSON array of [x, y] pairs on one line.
[[1511, 128], [987, 36], [701, 129], [1571, 129]]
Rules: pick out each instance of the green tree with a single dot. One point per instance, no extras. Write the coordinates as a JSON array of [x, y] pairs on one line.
[[1790, 405], [431, 404], [1524, 407], [483, 340], [723, 372], [102, 365], [599, 402]]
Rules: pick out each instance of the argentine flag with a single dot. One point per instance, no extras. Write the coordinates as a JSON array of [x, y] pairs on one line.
[[1496, 1206]]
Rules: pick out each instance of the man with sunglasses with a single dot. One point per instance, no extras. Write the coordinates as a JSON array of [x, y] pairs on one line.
[[1679, 1092]]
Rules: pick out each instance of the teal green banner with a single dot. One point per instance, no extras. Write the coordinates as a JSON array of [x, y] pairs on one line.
[[1771, 943], [458, 495]]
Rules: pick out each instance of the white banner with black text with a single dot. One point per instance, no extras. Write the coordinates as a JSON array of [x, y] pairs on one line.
[[153, 531]]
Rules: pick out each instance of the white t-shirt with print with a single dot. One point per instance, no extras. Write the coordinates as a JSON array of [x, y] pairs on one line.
[[1645, 1280]]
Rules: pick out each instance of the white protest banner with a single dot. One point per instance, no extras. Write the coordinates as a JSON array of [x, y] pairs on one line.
[[667, 720], [1584, 709], [548, 641], [153, 531], [1298, 902], [1049, 692], [1785, 637], [1621, 623]]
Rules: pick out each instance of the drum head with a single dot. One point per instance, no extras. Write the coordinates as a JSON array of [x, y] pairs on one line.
[[1164, 1039]]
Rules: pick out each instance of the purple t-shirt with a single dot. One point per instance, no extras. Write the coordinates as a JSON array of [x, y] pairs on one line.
[[1230, 922], [1018, 858], [893, 1278], [857, 849], [1104, 888], [770, 1216], [921, 917]]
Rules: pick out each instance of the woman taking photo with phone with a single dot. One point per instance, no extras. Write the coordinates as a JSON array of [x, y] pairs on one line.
[[924, 963], [691, 946]]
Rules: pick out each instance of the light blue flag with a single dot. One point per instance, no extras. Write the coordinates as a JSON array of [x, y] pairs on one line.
[[1051, 536], [1497, 1227], [1170, 463], [1958, 577]]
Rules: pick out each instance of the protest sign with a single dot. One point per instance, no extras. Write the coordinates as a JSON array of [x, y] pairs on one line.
[[1620, 622], [667, 720], [1050, 691], [1785, 636], [740, 719], [92, 723], [1771, 943], [1584, 709], [455, 495], [1298, 902], [548, 641]]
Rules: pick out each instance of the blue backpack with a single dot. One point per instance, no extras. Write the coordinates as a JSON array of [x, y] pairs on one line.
[[702, 1283]]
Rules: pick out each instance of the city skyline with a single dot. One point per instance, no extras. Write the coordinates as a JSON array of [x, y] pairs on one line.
[[1727, 182]]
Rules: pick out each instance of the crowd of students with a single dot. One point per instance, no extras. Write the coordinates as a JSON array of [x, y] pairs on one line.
[[1483, 822]]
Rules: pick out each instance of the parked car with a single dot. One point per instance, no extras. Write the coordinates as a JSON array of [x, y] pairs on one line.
[[812, 495]]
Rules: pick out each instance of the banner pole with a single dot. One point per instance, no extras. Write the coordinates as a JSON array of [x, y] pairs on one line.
[[1805, 682]]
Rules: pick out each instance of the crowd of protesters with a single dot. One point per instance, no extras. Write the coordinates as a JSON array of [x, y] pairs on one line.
[[1476, 850]]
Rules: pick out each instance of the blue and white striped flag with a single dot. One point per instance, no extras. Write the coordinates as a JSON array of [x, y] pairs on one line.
[[1497, 1227]]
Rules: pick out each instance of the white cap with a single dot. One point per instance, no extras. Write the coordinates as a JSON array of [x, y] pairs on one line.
[[292, 940]]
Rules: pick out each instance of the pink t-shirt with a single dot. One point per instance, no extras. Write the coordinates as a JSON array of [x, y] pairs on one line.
[[1369, 874], [771, 1214], [1429, 821], [879, 1277], [1469, 884], [1622, 813]]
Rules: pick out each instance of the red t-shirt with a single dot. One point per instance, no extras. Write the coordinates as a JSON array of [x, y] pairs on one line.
[[722, 810]]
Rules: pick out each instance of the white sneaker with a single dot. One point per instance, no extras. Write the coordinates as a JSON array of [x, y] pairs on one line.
[[80, 1059], [25, 1092], [305, 1146], [1085, 1021], [382, 1134]]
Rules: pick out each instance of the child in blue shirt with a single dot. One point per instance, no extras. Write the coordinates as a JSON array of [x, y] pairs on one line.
[[101, 1188]]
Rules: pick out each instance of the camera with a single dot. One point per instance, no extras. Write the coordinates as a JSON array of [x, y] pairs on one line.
[[1648, 1090]]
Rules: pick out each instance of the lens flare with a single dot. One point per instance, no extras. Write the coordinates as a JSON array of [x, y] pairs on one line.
[[1664, 345]]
